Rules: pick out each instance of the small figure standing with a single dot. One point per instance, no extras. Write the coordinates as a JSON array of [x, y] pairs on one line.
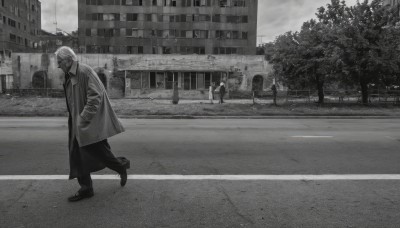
[[211, 93], [274, 92], [221, 92]]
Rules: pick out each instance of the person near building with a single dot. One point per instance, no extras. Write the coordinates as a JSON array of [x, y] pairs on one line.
[[274, 92], [222, 92], [211, 93], [91, 122]]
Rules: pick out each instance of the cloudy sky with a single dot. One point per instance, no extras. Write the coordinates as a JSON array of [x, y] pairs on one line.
[[275, 17]]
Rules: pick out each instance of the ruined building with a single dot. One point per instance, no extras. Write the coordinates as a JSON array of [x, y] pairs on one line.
[[20, 23], [168, 26], [142, 49]]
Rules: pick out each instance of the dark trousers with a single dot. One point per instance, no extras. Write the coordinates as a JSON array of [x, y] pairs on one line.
[[101, 151], [221, 98]]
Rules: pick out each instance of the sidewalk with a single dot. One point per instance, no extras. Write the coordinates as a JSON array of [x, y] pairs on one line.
[[232, 108]]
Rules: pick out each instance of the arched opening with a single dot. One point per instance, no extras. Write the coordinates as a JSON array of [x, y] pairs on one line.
[[258, 82], [103, 79], [39, 80]]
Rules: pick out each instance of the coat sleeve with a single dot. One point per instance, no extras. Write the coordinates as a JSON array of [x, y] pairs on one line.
[[94, 96]]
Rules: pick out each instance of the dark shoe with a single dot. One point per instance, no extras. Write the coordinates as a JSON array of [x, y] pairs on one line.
[[124, 178], [80, 196]]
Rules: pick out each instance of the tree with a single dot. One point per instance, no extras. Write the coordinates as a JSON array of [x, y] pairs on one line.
[[361, 41]]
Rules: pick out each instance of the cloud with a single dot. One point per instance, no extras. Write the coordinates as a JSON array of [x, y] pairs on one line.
[[280, 16], [67, 15]]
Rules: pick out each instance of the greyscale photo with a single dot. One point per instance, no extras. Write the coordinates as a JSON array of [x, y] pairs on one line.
[[199, 113]]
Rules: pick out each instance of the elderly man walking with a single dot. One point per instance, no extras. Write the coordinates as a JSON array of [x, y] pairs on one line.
[[91, 121]]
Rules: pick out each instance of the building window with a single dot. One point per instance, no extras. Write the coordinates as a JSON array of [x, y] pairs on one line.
[[216, 18], [148, 17], [88, 32], [132, 17], [111, 17], [193, 81], [153, 83], [244, 35], [186, 81], [11, 22], [136, 79], [186, 3], [13, 38], [199, 50], [200, 34], [134, 49], [239, 3], [154, 2], [223, 3], [166, 50], [129, 50], [137, 33], [169, 80], [207, 80], [200, 80], [108, 2], [204, 17], [2, 3]]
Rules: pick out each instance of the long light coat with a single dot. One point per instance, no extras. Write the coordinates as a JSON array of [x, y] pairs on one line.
[[91, 117]]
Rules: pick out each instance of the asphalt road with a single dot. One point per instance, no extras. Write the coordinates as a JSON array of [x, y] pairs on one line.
[[38, 146]]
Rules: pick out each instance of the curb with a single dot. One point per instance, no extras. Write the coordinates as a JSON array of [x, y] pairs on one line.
[[254, 117], [217, 117]]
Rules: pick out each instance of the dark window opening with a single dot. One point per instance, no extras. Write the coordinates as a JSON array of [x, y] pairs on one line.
[[169, 80], [186, 81], [131, 17], [166, 50], [153, 80], [193, 81], [216, 18], [207, 80]]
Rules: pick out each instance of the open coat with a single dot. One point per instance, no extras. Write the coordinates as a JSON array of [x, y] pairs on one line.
[[91, 117]]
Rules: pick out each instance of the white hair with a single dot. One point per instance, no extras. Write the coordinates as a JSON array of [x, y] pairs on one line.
[[65, 52]]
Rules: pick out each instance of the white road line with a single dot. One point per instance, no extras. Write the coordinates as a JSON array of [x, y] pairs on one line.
[[312, 136], [215, 177]]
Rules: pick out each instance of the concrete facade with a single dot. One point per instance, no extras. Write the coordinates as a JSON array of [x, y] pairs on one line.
[[168, 26], [20, 25], [145, 76]]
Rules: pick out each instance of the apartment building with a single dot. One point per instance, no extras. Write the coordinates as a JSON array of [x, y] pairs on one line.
[[20, 25], [168, 26], [20, 22]]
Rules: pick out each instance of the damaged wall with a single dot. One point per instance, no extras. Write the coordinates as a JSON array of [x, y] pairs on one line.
[[236, 70]]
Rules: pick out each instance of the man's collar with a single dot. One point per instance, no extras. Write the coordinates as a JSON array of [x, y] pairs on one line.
[[74, 68], [73, 72]]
